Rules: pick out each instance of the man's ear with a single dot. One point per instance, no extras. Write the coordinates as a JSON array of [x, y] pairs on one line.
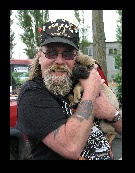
[[39, 55]]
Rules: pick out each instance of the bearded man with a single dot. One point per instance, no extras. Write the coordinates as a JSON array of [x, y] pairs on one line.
[[45, 115]]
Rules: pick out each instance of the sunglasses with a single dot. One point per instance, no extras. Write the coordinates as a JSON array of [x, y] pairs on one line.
[[66, 55]]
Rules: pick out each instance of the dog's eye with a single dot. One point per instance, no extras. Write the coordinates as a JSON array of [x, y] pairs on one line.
[[78, 62], [89, 66]]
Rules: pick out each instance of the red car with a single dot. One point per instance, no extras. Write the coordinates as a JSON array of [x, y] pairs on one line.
[[19, 145], [17, 141]]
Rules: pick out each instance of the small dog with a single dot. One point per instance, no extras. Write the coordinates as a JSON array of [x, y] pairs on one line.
[[82, 67]]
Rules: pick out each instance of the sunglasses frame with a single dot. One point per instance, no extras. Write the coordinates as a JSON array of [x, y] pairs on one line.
[[65, 58]]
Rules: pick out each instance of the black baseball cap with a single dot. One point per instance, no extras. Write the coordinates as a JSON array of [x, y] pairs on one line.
[[62, 31]]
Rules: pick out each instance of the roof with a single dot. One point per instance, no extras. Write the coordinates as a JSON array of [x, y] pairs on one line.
[[20, 61]]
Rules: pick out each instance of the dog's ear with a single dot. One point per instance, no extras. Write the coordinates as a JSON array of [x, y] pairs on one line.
[[96, 62]]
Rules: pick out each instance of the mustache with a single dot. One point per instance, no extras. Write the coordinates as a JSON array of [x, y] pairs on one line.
[[59, 85], [59, 68]]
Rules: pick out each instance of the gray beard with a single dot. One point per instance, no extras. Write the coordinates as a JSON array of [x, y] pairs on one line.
[[58, 85]]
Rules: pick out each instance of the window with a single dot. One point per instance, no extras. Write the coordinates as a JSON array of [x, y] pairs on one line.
[[89, 52], [112, 51], [20, 77]]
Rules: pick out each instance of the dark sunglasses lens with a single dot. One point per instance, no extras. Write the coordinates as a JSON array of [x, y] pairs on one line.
[[51, 55], [65, 55], [68, 55]]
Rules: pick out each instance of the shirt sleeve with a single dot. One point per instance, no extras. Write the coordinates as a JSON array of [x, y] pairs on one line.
[[38, 114]]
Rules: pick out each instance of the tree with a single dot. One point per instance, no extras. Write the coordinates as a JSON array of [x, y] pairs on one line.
[[118, 58], [29, 21], [99, 45], [12, 36], [84, 43]]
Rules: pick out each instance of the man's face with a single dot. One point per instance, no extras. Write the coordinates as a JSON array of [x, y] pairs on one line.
[[57, 72]]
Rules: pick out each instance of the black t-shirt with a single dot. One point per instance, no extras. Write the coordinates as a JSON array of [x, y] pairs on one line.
[[39, 113]]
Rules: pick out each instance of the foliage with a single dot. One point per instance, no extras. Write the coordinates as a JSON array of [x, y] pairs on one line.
[[29, 21], [16, 78], [17, 75], [12, 36], [84, 43], [118, 58], [119, 27]]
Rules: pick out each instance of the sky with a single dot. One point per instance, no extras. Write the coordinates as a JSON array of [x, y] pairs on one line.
[[110, 18]]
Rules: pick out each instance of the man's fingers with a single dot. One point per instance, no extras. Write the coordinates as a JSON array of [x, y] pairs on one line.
[[95, 67], [102, 81]]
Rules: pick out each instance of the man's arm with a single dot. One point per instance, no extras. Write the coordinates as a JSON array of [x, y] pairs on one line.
[[70, 139]]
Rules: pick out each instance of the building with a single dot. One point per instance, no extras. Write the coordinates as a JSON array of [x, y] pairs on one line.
[[18, 67], [110, 48]]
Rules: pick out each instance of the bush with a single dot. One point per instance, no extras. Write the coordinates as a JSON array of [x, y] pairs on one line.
[[118, 79]]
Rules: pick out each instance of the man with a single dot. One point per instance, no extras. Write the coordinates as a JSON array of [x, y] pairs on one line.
[[44, 112]]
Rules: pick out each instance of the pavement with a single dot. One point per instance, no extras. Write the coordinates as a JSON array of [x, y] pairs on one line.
[[117, 147]]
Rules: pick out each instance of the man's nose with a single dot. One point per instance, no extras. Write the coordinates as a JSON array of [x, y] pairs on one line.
[[59, 58]]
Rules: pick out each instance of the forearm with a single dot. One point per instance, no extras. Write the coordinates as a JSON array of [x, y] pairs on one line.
[[83, 120], [79, 125], [70, 139]]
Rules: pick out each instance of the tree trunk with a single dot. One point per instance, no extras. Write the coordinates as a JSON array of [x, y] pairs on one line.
[[99, 45]]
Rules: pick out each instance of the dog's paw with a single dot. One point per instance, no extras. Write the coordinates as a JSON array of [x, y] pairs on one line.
[[71, 99]]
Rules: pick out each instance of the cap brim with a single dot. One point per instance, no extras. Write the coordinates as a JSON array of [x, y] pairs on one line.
[[58, 39]]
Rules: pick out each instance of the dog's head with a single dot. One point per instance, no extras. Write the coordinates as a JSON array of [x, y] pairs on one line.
[[82, 67]]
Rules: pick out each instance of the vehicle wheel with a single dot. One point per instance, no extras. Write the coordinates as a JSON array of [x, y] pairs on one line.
[[27, 152], [12, 156]]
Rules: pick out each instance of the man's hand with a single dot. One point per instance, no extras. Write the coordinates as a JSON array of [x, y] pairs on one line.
[[103, 108]]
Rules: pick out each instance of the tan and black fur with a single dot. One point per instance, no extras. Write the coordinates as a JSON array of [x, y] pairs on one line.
[[82, 67]]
